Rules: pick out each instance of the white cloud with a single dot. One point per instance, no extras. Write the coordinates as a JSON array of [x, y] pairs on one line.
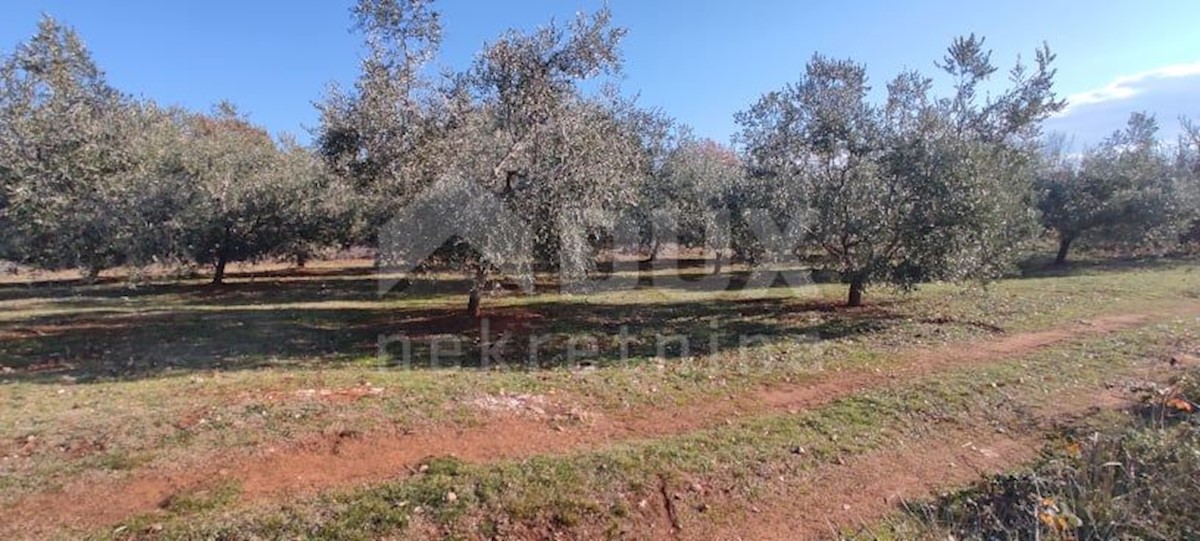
[[1167, 93], [1129, 86]]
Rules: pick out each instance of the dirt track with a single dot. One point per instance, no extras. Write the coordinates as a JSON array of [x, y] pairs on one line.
[[870, 486]]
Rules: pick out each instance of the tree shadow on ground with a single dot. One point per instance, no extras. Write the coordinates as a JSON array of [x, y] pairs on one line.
[[114, 345], [306, 288], [1044, 267], [368, 284], [324, 318]]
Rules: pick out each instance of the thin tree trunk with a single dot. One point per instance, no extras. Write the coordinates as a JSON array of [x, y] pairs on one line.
[[219, 270], [653, 251], [222, 260], [1064, 245], [855, 298], [91, 274], [475, 300], [717, 265]]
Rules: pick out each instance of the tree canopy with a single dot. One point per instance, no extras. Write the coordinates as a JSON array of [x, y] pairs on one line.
[[1127, 190], [912, 187], [915, 188]]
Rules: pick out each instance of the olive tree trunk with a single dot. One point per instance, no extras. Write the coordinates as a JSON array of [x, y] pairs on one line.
[[1064, 246], [475, 299], [222, 259], [855, 297]]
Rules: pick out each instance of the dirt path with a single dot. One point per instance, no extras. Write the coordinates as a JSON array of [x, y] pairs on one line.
[[872, 485], [869, 487], [348, 460]]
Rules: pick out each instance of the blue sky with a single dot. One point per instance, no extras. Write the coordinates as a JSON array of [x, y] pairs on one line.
[[699, 60]]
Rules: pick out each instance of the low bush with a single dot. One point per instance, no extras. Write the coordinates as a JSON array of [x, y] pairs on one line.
[[1139, 481]]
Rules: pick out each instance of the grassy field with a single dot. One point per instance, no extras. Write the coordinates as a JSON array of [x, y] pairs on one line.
[[297, 404]]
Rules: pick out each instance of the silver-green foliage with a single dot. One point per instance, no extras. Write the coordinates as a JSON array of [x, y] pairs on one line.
[[64, 155], [1128, 190], [533, 121], [914, 188], [91, 178]]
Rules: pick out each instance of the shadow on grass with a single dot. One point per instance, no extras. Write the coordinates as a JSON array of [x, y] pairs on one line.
[[322, 290], [326, 318], [175, 339], [1044, 267], [294, 289]]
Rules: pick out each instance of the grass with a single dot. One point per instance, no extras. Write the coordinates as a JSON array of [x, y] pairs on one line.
[[1130, 477], [602, 493], [142, 408], [102, 382]]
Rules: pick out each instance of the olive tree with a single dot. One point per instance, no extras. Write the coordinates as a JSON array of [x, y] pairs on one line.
[[160, 190], [316, 208], [517, 123], [694, 185], [557, 155], [1124, 191], [1187, 167], [915, 188], [64, 153], [376, 138], [249, 199]]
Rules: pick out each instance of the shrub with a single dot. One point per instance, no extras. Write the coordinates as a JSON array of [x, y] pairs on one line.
[[1140, 482]]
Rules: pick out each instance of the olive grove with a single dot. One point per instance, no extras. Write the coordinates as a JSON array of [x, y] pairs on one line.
[[912, 187]]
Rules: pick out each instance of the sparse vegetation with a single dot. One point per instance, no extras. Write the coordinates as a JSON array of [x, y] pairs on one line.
[[1133, 477]]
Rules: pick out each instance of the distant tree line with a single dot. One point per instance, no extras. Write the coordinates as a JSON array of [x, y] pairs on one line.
[[91, 178], [912, 188]]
